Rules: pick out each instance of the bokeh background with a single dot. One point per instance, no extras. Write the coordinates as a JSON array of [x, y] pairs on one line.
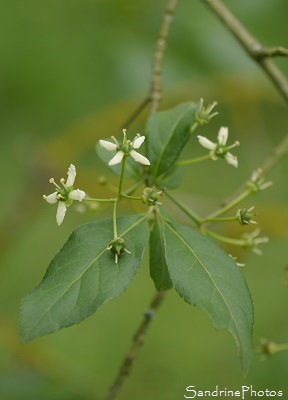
[[71, 72]]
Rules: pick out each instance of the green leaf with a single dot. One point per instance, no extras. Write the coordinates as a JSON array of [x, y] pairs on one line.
[[205, 276], [167, 133], [158, 267], [83, 276], [132, 168]]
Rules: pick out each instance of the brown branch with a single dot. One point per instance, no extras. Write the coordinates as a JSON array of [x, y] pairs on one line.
[[156, 82], [263, 52], [137, 343], [155, 94], [255, 50]]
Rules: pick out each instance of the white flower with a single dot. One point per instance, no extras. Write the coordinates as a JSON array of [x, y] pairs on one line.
[[219, 149], [257, 182], [125, 149], [65, 195], [251, 241]]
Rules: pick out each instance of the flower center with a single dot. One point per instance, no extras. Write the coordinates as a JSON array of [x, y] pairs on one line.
[[221, 150], [126, 147], [63, 194]]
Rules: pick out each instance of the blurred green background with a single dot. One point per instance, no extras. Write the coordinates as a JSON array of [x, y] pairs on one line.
[[72, 71]]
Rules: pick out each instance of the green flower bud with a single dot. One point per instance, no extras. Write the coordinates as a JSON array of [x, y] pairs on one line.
[[203, 114], [150, 196], [102, 181], [244, 216], [267, 347], [117, 247]]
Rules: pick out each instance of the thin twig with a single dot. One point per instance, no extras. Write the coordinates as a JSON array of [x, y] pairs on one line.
[[137, 343], [141, 107], [280, 151], [271, 52], [263, 56], [156, 81], [155, 94]]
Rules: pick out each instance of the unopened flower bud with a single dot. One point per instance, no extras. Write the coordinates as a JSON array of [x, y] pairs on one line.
[[244, 216], [117, 247], [203, 114], [102, 180], [150, 196], [267, 347]]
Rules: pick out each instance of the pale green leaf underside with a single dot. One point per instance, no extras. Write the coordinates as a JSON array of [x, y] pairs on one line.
[[167, 133], [205, 276], [83, 276]]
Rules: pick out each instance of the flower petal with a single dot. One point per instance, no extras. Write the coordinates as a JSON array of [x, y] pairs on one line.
[[138, 141], [51, 198], [117, 158], [222, 135], [61, 211], [77, 195], [108, 145], [206, 143], [71, 175], [139, 158], [232, 160], [213, 156]]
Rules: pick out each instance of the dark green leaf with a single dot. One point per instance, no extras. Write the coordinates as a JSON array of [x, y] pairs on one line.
[[158, 267], [168, 132], [83, 276], [205, 276]]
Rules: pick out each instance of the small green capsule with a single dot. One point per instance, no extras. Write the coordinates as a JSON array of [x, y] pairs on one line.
[[117, 247]]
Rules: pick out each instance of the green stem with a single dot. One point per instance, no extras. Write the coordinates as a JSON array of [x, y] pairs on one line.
[[119, 196], [99, 200], [224, 239], [122, 176], [227, 207], [131, 197], [194, 160], [280, 347], [115, 221], [224, 219], [194, 126], [185, 209]]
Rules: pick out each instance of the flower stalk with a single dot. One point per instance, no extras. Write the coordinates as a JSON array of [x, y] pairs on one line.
[[227, 207]]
